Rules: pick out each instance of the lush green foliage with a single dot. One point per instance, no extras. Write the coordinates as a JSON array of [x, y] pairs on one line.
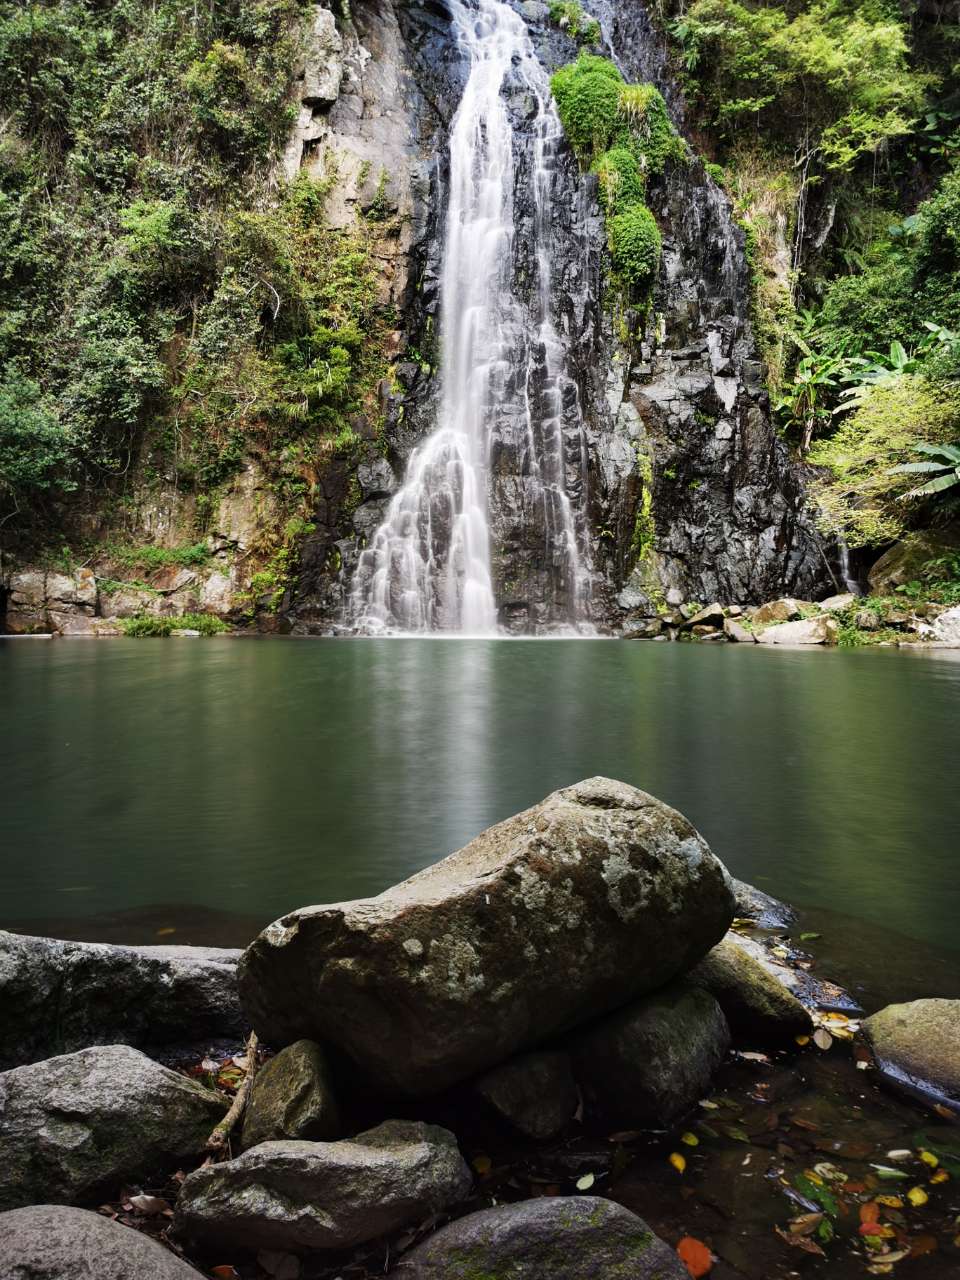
[[635, 245], [165, 308], [569, 15], [152, 624]]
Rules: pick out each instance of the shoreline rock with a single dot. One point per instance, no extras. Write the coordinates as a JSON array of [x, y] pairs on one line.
[[917, 1048]]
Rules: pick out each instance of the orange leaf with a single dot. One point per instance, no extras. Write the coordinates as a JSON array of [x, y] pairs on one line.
[[225, 1273], [695, 1256], [870, 1212]]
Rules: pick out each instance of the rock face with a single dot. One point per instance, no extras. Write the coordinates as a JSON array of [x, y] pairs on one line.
[[59, 996], [324, 1195], [292, 1097], [648, 1064], [535, 1093], [73, 1125], [917, 1045], [53, 1242], [582, 1238], [590, 898], [822, 630], [758, 1007]]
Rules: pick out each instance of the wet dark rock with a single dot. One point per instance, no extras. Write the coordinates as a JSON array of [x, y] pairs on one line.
[[759, 1008], [917, 1046], [589, 899], [59, 996], [54, 1242], [580, 1238], [292, 1097], [293, 1196], [83, 1123], [649, 1063], [535, 1093], [764, 910]]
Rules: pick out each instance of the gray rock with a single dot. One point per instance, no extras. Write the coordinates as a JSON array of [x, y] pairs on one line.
[[760, 1009], [764, 910], [821, 630], [947, 626], [711, 616], [54, 1242], [59, 996], [737, 632], [75, 1125], [775, 611], [292, 1097], [905, 561], [592, 897], [324, 1195], [552, 1238], [834, 604], [535, 1093], [649, 1063], [917, 1045], [324, 61]]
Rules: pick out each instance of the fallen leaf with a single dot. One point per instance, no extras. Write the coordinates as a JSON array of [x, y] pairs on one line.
[[225, 1273], [809, 937], [862, 1065], [890, 1202], [889, 1175], [805, 1224], [164, 933], [870, 1212], [928, 1158], [690, 1139], [802, 1040], [150, 1205], [917, 1196], [586, 1182], [940, 1176], [901, 1153], [754, 1057], [695, 1256], [678, 1161], [708, 1105], [822, 1039], [879, 1230], [800, 1242]]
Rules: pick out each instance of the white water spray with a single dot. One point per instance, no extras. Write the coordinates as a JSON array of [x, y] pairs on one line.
[[428, 566]]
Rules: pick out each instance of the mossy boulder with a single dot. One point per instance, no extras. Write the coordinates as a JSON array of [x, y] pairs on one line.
[[917, 1046], [292, 1097], [552, 1238], [760, 1009]]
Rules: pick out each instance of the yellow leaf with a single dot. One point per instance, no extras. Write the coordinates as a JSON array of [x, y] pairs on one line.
[[940, 1176], [917, 1196], [802, 1040], [928, 1158], [892, 1202], [678, 1162], [690, 1139]]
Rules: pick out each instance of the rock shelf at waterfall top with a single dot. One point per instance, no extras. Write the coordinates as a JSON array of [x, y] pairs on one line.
[[570, 1048]]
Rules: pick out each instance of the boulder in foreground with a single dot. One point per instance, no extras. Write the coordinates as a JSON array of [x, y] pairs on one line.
[[292, 1196], [917, 1045], [580, 1238], [73, 1126], [54, 1242], [592, 897]]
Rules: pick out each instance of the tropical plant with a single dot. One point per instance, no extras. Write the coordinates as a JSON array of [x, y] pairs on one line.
[[944, 470]]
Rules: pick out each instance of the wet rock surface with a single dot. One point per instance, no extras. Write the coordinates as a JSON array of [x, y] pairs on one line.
[[762, 908], [72, 1125], [917, 1045], [324, 1195], [587, 1238], [59, 996], [292, 1097], [54, 1242], [535, 1093], [592, 897], [650, 1062], [759, 1008]]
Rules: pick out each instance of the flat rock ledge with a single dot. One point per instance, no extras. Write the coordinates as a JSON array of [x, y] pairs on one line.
[[75, 1125], [757, 1005], [917, 1047], [54, 1242], [552, 1238], [294, 1196], [591, 898], [59, 996]]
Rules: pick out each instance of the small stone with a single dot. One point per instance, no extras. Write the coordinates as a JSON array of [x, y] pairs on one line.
[[551, 1238], [535, 1093], [292, 1097], [290, 1196]]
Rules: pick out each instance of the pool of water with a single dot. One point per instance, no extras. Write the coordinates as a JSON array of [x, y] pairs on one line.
[[194, 790]]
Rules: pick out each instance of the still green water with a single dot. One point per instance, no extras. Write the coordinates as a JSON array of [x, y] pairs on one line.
[[249, 777]]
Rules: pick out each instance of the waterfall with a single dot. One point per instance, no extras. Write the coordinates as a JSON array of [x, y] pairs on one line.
[[503, 388]]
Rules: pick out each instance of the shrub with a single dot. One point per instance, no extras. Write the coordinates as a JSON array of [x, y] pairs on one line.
[[635, 245], [151, 624], [587, 94], [621, 181]]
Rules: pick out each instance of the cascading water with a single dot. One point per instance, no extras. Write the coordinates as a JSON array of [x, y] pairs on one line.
[[428, 566]]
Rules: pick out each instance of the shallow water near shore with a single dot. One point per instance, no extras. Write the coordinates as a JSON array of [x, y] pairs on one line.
[[193, 791]]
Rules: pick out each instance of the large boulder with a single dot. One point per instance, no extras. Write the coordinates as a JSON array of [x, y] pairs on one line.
[[649, 1063], [820, 630], [54, 1242], [947, 626], [917, 1045], [292, 1097], [580, 1238], [535, 1093], [77, 1125], [759, 1008], [59, 996], [596, 895], [292, 1196], [907, 561]]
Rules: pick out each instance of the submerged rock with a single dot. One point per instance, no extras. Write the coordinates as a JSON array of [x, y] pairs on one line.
[[59, 996], [292, 1196], [917, 1045], [535, 1093], [757, 1006], [87, 1121], [292, 1097], [821, 630], [592, 897], [580, 1238], [54, 1242], [646, 1065]]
